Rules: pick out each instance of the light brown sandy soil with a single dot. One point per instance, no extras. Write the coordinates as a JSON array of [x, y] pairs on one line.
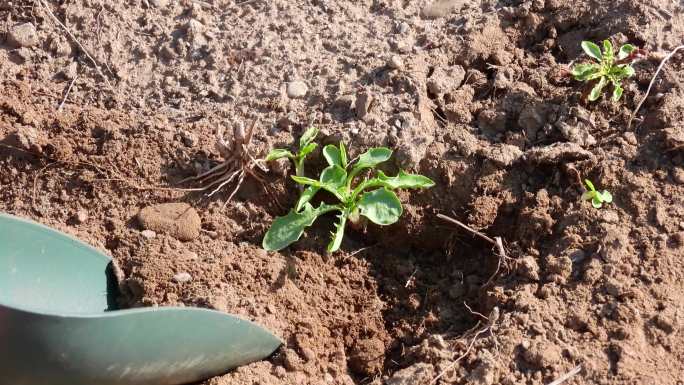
[[475, 99]]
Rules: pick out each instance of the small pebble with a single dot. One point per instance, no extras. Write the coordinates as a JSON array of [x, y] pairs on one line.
[[297, 89], [149, 234], [23, 35], [438, 9], [80, 217], [182, 277], [395, 62], [71, 71], [678, 175], [176, 219], [363, 102], [189, 139]]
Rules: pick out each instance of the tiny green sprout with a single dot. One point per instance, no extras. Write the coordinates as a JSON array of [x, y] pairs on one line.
[[597, 198], [306, 146], [372, 197], [609, 69]]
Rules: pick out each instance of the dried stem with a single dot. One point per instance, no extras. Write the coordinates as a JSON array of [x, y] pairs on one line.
[[85, 51], [650, 86]]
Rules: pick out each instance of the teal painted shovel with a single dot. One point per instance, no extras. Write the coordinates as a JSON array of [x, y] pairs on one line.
[[58, 325]]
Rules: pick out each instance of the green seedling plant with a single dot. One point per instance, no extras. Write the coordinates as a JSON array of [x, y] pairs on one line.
[[306, 147], [597, 198], [609, 69], [372, 197]]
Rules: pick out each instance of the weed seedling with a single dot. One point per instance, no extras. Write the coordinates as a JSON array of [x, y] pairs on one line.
[[597, 198], [306, 146], [609, 69], [372, 198]]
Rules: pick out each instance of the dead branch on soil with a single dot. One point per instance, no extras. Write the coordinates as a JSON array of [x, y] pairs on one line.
[[66, 94], [85, 51], [650, 85], [491, 323], [238, 162], [466, 227], [572, 373], [459, 358], [496, 241]]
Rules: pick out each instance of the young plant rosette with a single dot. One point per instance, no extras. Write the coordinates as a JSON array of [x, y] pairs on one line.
[[608, 69], [372, 198]]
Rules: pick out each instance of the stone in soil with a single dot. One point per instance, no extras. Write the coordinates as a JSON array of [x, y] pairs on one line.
[[297, 89], [363, 102], [176, 219], [421, 373], [29, 139], [182, 277], [367, 357], [23, 35], [80, 217], [439, 8]]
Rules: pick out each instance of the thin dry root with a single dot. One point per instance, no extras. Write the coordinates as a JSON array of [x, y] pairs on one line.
[[238, 163]]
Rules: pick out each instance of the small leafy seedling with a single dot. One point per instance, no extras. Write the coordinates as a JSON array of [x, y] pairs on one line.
[[306, 146], [608, 69], [372, 198], [597, 198]]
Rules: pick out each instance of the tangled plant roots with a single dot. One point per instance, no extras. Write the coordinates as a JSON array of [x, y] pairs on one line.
[[238, 162]]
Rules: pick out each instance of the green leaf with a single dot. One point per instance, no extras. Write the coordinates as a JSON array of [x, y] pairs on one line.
[[307, 137], [334, 176], [373, 157], [583, 72], [278, 153], [306, 150], [590, 185], [306, 181], [338, 234], [596, 202], [381, 206], [596, 91], [343, 155], [625, 51], [288, 229], [617, 92], [588, 195], [628, 71], [592, 50], [404, 180], [608, 52], [370, 159], [306, 196], [606, 196], [332, 155], [330, 187]]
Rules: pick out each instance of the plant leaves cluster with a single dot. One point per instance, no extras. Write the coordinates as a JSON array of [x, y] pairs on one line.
[[371, 197], [306, 147], [610, 69], [597, 198]]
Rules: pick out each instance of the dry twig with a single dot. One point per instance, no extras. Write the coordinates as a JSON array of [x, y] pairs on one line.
[[466, 227], [572, 373], [85, 51], [650, 85], [462, 356], [66, 94], [496, 241]]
